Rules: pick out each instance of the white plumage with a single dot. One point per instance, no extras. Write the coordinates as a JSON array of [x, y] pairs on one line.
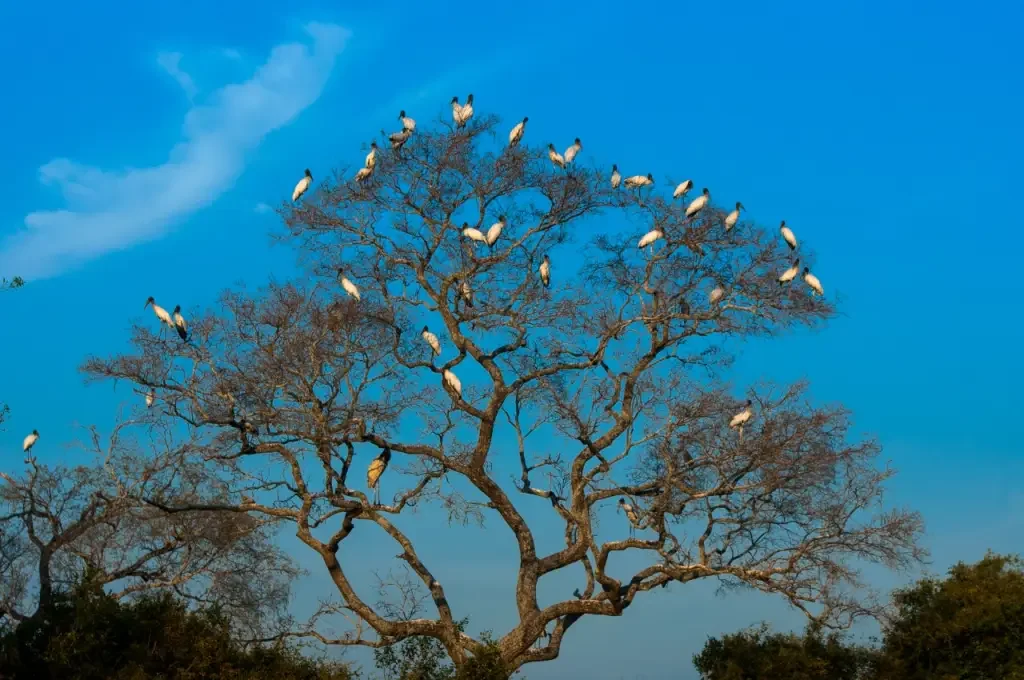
[[150, 398], [637, 181], [790, 273], [732, 218], [473, 234], [363, 174], [813, 282], [697, 204], [467, 293], [348, 286], [431, 340], [453, 381], [302, 186], [407, 122], [741, 418], [631, 515], [717, 294], [495, 231], [616, 177], [371, 158], [556, 158], [682, 189], [650, 237], [788, 235], [30, 441], [545, 271], [180, 324], [467, 110], [456, 112], [160, 312], [571, 152], [516, 134], [398, 139]]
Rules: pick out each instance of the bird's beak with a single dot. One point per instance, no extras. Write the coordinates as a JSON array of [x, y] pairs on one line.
[[146, 305]]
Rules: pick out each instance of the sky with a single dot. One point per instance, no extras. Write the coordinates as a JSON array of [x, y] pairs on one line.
[[145, 145]]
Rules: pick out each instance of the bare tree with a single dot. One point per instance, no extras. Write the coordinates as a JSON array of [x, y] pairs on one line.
[[617, 368]]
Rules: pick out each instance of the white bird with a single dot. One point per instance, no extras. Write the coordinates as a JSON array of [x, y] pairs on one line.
[[517, 132], [431, 340], [398, 139], [371, 158], [682, 189], [373, 473], [545, 271], [303, 184], [697, 204], [456, 112], [473, 234], [717, 294], [634, 519], [650, 237], [348, 286], [453, 381], [150, 397], [813, 282], [179, 323], [160, 312], [790, 273], [363, 174], [467, 293], [788, 235], [407, 122], [571, 152], [467, 110], [30, 441], [495, 231], [556, 158], [616, 177], [732, 218], [741, 418], [637, 181]]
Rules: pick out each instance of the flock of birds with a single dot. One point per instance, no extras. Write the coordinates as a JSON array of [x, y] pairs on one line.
[[461, 114]]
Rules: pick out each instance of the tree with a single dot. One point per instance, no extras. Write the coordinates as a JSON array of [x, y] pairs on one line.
[[968, 626], [608, 384], [89, 635], [757, 654]]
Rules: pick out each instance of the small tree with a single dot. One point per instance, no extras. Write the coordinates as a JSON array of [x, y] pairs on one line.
[[604, 387]]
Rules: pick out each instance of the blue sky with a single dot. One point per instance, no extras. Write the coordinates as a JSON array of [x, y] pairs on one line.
[[141, 140]]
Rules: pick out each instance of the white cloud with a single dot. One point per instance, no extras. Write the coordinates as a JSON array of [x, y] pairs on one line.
[[262, 208], [112, 210], [171, 62]]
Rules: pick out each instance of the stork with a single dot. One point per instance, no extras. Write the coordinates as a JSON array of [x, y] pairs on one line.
[[377, 467], [302, 186], [179, 323]]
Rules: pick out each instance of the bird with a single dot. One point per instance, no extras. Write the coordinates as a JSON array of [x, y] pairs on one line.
[[790, 273], [348, 286], [495, 231], [30, 441], [650, 237], [160, 312], [634, 519], [431, 340], [473, 234], [637, 181], [398, 139], [179, 323], [571, 152], [717, 294], [377, 467], [407, 122], [682, 189], [467, 293], [697, 204], [516, 134], [545, 271], [303, 184], [452, 381], [556, 158], [684, 308], [150, 397], [371, 158], [456, 112], [732, 218], [787, 235], [741, 418], [467, 111], [813, 282], [616, 177]]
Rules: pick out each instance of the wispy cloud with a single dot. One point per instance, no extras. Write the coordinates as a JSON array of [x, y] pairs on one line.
[[171, 62], [112, 210], [262, 209]]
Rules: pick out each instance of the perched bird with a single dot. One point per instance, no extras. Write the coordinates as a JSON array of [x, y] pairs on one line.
[[431, 340], [684, 308], [467, 110], [545, 271], [516, 133], [741, 418], [716, 294], [467, 293], [303, 184], [788, 235], [616, 177], [812, 281], [407, 122], [377, 467], [398, 139], [637, 181], [456, 112], [371, 158], [790, 273], [473, 234], [30, 441], [150, 398], [682, 189], [452, 381], [697, 204], [571, 152], [347, 285], [634, 519], [650, 237], [363, 174], [556, 158], [732, 218], [160, 312], [179, 323], [495, 231]]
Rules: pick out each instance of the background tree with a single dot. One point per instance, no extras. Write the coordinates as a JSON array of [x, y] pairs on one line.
[[616, 368]]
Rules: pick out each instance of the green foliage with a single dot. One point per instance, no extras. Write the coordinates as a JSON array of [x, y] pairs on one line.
[[87, 635], [423, 658], [969, 626], [757, 654]]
